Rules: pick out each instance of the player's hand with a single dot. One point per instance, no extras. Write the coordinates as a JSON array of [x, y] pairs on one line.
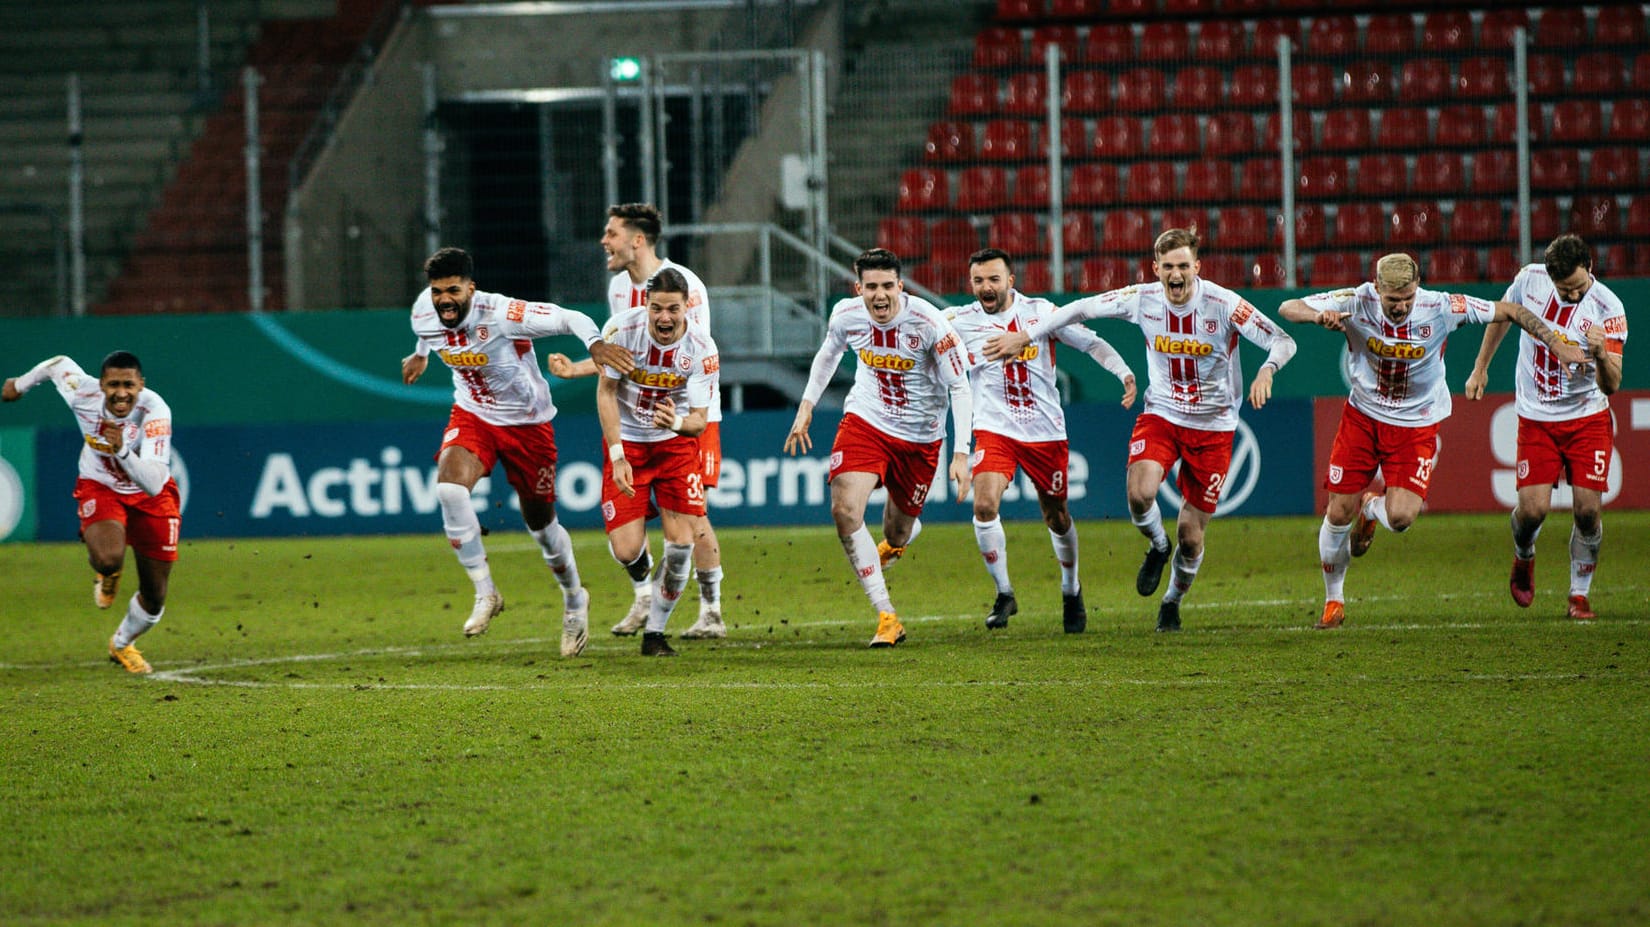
[[1260, 389], [412, 367], [9, 392], [622, 477], [1007, 344], [664, 413], [1568, 353], [1595, 341], [112, 433], [1476, 381], [607, 354], [559, 365], [797, 441], [1129, 391], [1334, 321], [961, 476]]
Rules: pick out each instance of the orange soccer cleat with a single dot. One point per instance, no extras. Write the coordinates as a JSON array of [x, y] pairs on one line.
[[1580, 610], [1334, 614], [889, 630], [1363, 530], [888, 553]]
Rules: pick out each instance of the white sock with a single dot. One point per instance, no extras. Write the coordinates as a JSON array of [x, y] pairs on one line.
[[1181, 576], [1524, 542], [1150, 524], [862, 556], [672, 580], [136, 622], [558, 555], [993, 543], [458, 517], [1065, 553], [1583, 559], [916, 529], [710, 586], [1335, 551], [1376, 509]]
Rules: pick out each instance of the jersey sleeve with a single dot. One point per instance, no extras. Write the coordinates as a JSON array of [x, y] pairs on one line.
[[1260, 331], [1462, 309], [541, 320], [1095, 347], [950, 355], [1113, 304], [1515, 290], [702, 381], [61, 370], [150, 463], [825, 361], [1333, 301]]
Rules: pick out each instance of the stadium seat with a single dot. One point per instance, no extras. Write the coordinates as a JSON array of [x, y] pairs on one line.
[[1199, 89], [1332, 36], [1641, 72], [949, 140], [1483, 77], [953, 239], [1017, 233], [1150, 182], [1224, 268], [981, 189], [1140, 90], [1389, 34], [1251, 7], [1620, 25], [1074, 138], [1019, 10], [1267, 33], [998, 47], [1165, 40], [1221, 40], [949, 275], [1190, 8], [1126, 231], [1117, 137], [1076, 9], [973, 94], [1416, 223], [1545, 222], [1614, 168], [1086, 92], [1183, 217], [1311, 227], [1382, 175], [1496, 31], [1577, 121], [1346, 130], [1077, 233], [1366, 82], [1034, 277], [923, 189], [1439, 172], [1461, 125], [1253, 85], [1503, 265], [1131, 8], [1453, 265], [1063, 36], [1231, 133], [1267, 272], [1638, 217], [1612, 260], [1336, 268], [1546, 75], [1494, 171], [1599, 73], [1109, 43], [1208, 181], [1555, 169], [903, 235], [1446, 31], [1025, 94], [1031, 187], [1314, 84], [1243, 227], [1360, 224], [1629, 120], [1421, 80], [1595, 218], [1093, 185], [1302, 131], [1403, 129], [1173, 134], [1504, 123], [1321, 177], [1560, 27], [1099, 274], [1008, 140], [1262, 179]]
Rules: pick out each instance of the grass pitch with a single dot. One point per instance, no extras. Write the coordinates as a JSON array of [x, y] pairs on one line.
[[320, 745]]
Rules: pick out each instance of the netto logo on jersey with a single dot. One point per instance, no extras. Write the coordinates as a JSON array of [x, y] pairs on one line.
[[885, 361], [463, 358], [1189, 346], [1028, 353], [663, 379], [1399, 351]]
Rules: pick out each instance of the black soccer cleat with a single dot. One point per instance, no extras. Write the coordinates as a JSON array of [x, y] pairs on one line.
[[1168, 616], [655, 645], [1001, 609], [1073, 613], [1151, 570]]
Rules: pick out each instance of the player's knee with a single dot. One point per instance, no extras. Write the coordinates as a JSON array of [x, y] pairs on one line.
[[1400, 521], [847, 516], [1057, 519], [104, 561], [984, 509], [1588, 520]]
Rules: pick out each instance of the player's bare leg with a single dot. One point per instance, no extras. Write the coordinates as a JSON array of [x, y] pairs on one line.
[[106, 552], [1534, 502], [707, 565], [557, 548], [850, 493], [457, 471], [142, 612], [1062, 533], [1395, 509], [1143, 480], [993, 544], [1188, 557], [1586, 535]]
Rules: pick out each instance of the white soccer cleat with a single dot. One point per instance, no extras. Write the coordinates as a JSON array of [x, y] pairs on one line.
[[575, 624], [487, 607], [709, 624], [636, 617]]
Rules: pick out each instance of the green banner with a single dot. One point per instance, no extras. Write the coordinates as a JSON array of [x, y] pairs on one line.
[[17, 515]]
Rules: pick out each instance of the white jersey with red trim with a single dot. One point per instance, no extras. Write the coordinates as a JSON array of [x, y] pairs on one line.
[[495, 370], [1194, 377], [1017, 398], [686, 372], [1548, 390], [624, 294], [906, 368], [1397, 370], [146, 431]]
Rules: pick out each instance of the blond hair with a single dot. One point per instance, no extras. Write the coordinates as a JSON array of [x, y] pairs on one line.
[[1176, 238], [1396, 271]]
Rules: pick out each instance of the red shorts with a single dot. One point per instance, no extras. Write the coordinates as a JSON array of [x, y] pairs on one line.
[[905, 467], [151, 522], [1044, 461], [1578, 449], [710, 454], [1204, 457], [528, 451], [1404, 455], [665, 470]]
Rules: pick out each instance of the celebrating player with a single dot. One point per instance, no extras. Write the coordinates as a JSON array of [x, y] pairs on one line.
[[911, 362], [1192, 395], [1018, 425], [1564, 426], [501, 411], [652, 443], [1395, 333], [125, 491]]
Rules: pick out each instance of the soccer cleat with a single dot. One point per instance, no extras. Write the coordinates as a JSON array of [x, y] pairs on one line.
[[636, 617], [889, 630], [128, 657], [1580, 610], [1074, 614], [888, 553], [709, 624], [103, 589], [481, 617], [1363, 530], [1168, 616], [575, 624], [1001, 609], [1334, 613], [1151, 569], [1522, 582], [655, 645]]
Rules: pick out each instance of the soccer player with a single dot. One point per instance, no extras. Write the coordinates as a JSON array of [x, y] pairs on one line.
[[1018, 425], [502, 411], [911, 364], [1395, 333], [631, 239], [1193, 390], [1564, 426], [125, 491], [651, 420]]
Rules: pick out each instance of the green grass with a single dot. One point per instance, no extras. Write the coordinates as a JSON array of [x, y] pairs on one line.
[[321, 746]]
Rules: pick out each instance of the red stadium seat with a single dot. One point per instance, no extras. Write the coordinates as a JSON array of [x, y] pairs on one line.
[[1221, 40], [1243, 227], [1262, 179], [1191, 8], [1267, 33], [1074, 138], [1031, 187], [1301, 130], [1544, 220], [1446, 31], [1403, 129], [1503, 265], [1638, 217], [1132, 7], [1173, 134], [1337, 268], [1063, 36], [1453, 265], [1322, 177], [1577, 121], [1100, 274], [1224, 268], [1034, 277], [903, 235], [1346, 130], [1504, 123], [1630, 120], [1600, 73], [1620, 25], [1208, 181], [1314, 84], [1494, 171], [1197, 88], [1150, 182], [953, 239], [1483, 77], [1117, 137], [1439, 172], [1555, 169], [1332, 35], [1641, 72], [1612, 260], [1267, 272], [1254, 85], [1614, 168], [1229, 133], [1076, 9], [1366, 82], [1014, 10], [1416, 223], [1017, 233], [1026, 94], [1595, 217], [1094, 185], [923, 189], [1389, 34], [1165, 40], [1497, 30], [1183, 217], [1086, 92], [998, 47], [1360, 224], [950, 141], [1424, 79], [1009, 140], [980, 189], [1560, 27], [1311, 227], [949, 275], [1382, 175], [1461, 124], [1140, 90], [973, 94], [1126, 231], [1077, 233], [1109, 43], [1546, 75]]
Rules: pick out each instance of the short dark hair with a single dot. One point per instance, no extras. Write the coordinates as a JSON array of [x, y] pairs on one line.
[[668, 280], [641, 217], [450, 262], [876, 259], [120, 360], [1565, 254], [991, 254]]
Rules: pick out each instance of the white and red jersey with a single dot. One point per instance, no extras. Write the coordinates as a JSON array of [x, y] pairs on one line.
[[624, 293], [495, 370], [1397, 370], [686, 372], [1194, 378], [1019, 398], [1549, 391], [145, 462], [906, 368]]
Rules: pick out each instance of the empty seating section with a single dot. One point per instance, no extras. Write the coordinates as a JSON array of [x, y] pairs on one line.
[[1404, 132]]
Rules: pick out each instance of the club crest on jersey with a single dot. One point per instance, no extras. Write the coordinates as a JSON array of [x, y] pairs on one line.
[[836, 460], [1136, 448], [1425, 331], [608, 511], [1211, 326], [975, 459], [1523, 469], [450, 436], [913, 342], [1336, 473], [87, 509], [683, 361], [481, 333]]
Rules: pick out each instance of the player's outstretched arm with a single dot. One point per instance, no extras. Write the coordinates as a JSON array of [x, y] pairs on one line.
[[1521, 316], [9, 391], [608, 354], [797, 441], [1296, 310], [1480, 376], [412, 367], [566, 368]]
